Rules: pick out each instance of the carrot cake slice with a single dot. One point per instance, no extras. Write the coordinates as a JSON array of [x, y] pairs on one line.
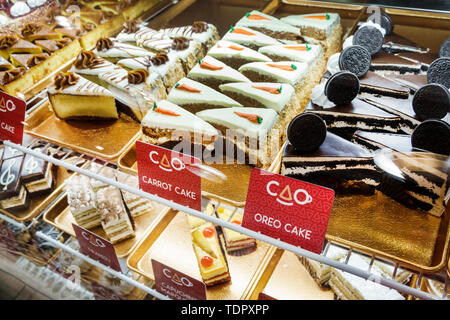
[[136, 90], [269, 25], [235, 55], [166, 124], [308, 53], [247, 130], [249, 38], [195, 97], [213, 73], [323, 26]]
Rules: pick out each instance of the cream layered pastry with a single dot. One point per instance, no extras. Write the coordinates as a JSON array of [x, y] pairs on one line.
[[249, 38], [248, 131], [82, 202], [213, 73], [269, 26], [136, 90], [103, 170], [168, 124], [73, 97], [234, 241], [115, 219], [195, 96], [138, 206], [210, 258], [13, 194], [235, 55]]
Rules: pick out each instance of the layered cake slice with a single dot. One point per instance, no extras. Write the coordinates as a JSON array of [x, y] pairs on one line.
[[234, 241], [38, 175], [210, 258], [114, 50], [35, 31], [13, 194], [136, 90], [310, 54], [91, 66], [378, 140], [291, 72], [114, 216], [247, 133], [138, 206], [249, 38], [269, 26], [11, 44], [213, 73], [384, 61], [235, 55], [167, 124], [74, 97], [195, 96], [82, 202], [377, 84], [27, 60]]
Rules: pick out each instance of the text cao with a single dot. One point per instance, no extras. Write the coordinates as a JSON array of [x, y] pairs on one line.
[[7, 127], [287, 227], [169, 187]]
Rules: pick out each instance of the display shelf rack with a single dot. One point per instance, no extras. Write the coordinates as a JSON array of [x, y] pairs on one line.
[[413, 291]]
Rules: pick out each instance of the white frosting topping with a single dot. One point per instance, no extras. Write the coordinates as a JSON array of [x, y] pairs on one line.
[[370, 23], [322, 24], [273, 101], [19, 9], [291, 53], [206, 95], [119, 79], [186, 32], [143, 62], [255, 37], [283, 76], [347, 43], [82, 87], [223, 48], [36, 3], [185, 120], [146, 33], [122, 50], [333, 64], [272, 24], [166, 45], [226, 73], [104, 66], [3, 20], [228, 118], [318, 96]]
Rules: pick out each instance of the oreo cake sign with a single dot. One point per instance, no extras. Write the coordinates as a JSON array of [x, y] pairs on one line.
[[283, 208], [12, 115]]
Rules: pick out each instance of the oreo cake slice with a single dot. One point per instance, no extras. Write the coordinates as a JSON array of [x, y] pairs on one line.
[[167, 124], [378, 84], [269, 26], [213, 73], [249, 38], [373, 141], [195, 96], [248, 131], [320, 157], [235, 55], [384, 61]]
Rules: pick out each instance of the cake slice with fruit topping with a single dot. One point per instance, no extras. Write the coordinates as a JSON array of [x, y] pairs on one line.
[[208, 251]]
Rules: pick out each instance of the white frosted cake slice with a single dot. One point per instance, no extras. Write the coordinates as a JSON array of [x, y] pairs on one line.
[[195, 97], [249, 129], [269, 25], [212, 73], [137, 90], [304, 52], [290, 72], [167, 124], [90, 65], [235, 55], [114, 50], [249, 38], [74, 97]]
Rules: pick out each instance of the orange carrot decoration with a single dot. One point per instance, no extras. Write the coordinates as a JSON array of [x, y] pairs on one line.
[[187, 88], [164, 111], [269, 89], [241, 31], [250, 117], [282, 67], [236, 48], [209, 66], [256, 17], [299, 48], [319, 17]]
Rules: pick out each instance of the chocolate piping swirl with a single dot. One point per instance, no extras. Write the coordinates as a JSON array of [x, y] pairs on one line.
[[87, 60], [130, 27], [159, 59], [36, 59], [7, 41], [180, 43], [138, 76], [11, 75], [30, 29], [104, 44], [65, 79], [199, 27], [63, 42]]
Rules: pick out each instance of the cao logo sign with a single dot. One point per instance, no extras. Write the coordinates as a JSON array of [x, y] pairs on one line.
[[286, 197], [175, 164], [175, 278], [7, 105], [96, 242]]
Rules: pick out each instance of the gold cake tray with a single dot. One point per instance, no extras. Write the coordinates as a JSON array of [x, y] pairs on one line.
[[103, 139], [169, 242], [59, 216]]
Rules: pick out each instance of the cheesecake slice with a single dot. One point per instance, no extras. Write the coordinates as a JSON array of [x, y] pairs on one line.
[[74, 97]]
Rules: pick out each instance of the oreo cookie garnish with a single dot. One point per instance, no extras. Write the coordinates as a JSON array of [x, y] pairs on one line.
[[370, 38], [307, 132], [444, 51], [439, 72], [355, 59], [432, 136], [385, 21], [432, 101], [342, 88]]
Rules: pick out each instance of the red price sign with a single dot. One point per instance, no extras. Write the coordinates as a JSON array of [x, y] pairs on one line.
[[168, 174], [177, 285], [97, 248], [263, 296], [283, 208], [12, 115], [102, 293]]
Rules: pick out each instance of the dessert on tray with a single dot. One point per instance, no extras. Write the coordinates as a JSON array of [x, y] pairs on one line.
[[249, 38], [311, 54], [138, 206]]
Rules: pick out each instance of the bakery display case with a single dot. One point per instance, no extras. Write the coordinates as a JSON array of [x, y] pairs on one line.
[[347, 95]]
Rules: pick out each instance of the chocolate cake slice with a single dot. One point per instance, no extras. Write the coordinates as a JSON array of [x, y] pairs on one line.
[[374, 83], [37, 175], [380, 140], [13, 195]]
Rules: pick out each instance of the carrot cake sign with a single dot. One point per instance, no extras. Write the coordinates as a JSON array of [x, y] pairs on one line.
[[169, 174], [283, 208], [12, 115]]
